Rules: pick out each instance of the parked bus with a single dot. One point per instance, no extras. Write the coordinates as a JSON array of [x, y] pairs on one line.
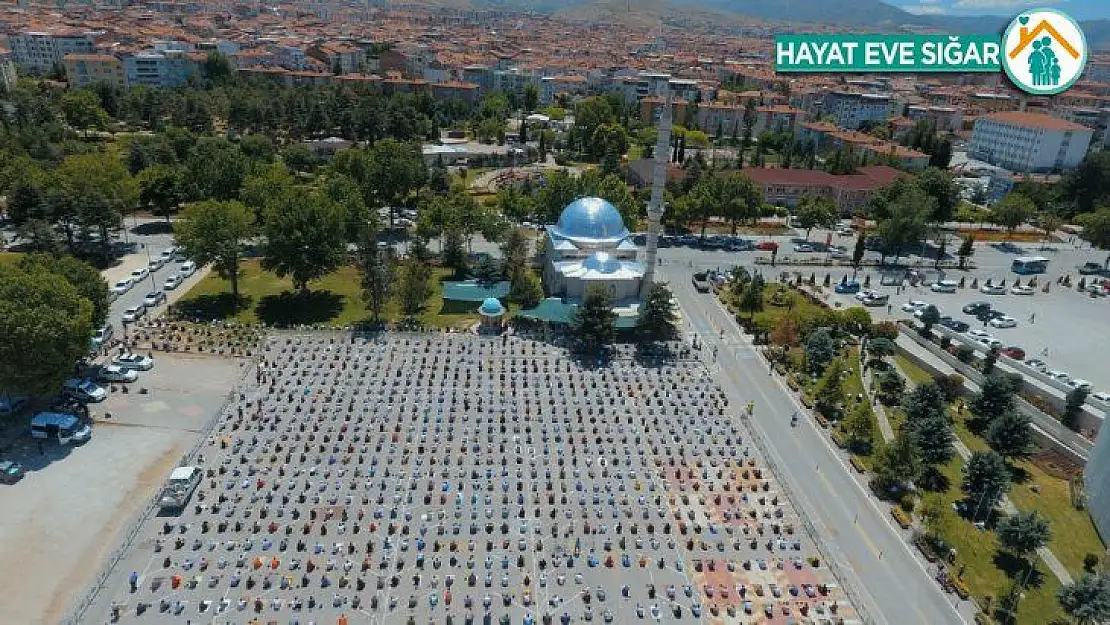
[[1027, 265]]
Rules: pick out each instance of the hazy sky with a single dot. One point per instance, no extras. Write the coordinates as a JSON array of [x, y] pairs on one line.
[[1079, 9]]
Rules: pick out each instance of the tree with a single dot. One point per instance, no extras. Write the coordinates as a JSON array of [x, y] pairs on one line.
[[657, 315], [1010, 435], [929, 317], [986, 479], [896, 463], [820, 349], [46, 323], [814, 211], [80, 275], [1023, 533], [376, 270], [214, 232], [526, 291], [81, 109], [593, 323], [160, 188], [1087, 600], [305, 236], [995, 398], [1012, 211], [829, 393], [1073, 406], [967, 248], [415, 285], [1096, 229], [859, 427]]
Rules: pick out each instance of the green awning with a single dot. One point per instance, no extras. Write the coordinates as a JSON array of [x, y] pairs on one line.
[[471, 291]]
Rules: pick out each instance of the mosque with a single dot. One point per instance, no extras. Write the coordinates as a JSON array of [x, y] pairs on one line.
[[591, 245]]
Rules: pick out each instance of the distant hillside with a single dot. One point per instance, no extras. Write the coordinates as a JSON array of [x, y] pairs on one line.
[[862, 13]]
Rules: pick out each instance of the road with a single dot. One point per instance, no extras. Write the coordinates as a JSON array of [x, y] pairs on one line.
[[893, 585]]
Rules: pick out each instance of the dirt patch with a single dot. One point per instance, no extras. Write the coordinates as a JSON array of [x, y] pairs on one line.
[[87, 564]]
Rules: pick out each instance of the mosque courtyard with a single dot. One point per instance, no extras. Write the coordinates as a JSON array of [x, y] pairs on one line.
[[454, 478]]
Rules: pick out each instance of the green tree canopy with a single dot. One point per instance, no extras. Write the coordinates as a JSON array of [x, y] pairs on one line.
[[214, 232]]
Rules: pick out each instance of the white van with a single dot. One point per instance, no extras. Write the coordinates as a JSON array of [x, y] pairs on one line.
[[945, 286], [62, 427]]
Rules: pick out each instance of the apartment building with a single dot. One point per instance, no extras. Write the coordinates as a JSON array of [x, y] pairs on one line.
[[39, 52], [851, 110], [164, 69], [83, 70], [1029, 142]]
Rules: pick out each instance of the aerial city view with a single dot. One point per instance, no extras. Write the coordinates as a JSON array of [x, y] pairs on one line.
[[533, 311]]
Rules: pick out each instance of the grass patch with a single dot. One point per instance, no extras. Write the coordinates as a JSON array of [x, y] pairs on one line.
[[335, 299]]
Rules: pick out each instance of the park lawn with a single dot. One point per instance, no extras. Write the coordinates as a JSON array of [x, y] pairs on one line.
[[977, 551], [335, 299]]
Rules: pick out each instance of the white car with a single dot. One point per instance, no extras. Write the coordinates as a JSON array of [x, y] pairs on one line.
[[134, 361], [115, 373], [84, 390], [1102, 396], [1022, 290], [992, 289], [1061, 376], [122, 286], [1079, 383], [133, 314], [172, 282], [1003, 322], [913, 306], [154, 298], [978, 334], [139, 274]]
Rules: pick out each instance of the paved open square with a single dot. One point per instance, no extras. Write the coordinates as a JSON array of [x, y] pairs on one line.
[[441, 478]]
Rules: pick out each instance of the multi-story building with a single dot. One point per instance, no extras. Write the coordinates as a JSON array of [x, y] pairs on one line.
[[39, 52], [83, 70], [850, 110], [1029, 142], [159, 69]]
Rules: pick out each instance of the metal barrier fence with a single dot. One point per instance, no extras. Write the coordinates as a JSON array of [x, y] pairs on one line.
[[79, 610]]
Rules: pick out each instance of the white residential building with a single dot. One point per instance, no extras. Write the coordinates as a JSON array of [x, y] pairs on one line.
[[852, 109], [1029, 142]]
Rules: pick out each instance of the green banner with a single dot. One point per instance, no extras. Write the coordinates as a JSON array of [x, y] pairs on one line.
[[887, 53]]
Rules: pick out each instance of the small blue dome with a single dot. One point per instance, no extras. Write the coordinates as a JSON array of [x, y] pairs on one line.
[[491, 306], [591, 218], [602, 262]]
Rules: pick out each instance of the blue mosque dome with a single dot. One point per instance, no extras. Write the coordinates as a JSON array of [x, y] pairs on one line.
[[591, 219], [492, 307]]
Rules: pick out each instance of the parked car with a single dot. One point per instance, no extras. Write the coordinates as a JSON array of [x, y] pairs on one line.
[[847, 287], [1022, 290], [139, 274], [11, 404], [766, 246], [1013, 351], [122, 286], [1003, 322], [992, 289], [1090, 269], [172, 282], [154, 298], [84, 390], [134, 361], [913, 306], [944, 286], [115, 373], [10, 472], [975, 308], [156, 263], [134, 313]]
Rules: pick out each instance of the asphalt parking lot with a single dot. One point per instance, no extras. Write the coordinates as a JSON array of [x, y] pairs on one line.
[[433, 478], [64, 518]]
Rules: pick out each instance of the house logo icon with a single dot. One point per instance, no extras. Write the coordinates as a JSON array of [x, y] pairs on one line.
[[1044, 51]]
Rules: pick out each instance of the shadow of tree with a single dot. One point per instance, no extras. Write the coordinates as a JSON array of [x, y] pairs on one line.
[[211, 306], [1018, 569], [295, 308]]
